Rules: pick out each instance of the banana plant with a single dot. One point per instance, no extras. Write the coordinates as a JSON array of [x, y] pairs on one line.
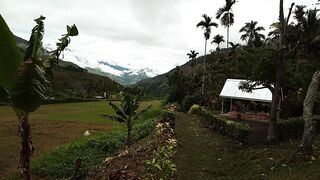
[[28, 79], [127, 112]]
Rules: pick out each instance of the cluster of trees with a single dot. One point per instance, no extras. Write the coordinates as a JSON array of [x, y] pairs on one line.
[[284, 62]]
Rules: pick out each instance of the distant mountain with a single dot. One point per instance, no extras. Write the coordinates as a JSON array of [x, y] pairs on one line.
[[71, 80], [123, 75], [158, 85], [126, 78]]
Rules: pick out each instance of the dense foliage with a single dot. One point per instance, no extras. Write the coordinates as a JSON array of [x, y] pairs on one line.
[[293, 128]]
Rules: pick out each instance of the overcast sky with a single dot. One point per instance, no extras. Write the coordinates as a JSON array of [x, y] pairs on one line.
[[155, 34]]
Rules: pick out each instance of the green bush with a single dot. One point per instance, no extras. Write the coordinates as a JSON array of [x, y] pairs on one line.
[[195, 109], [235, 130], [190, 100]]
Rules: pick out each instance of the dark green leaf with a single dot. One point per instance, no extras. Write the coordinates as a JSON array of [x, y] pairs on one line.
[[10, 58], [113, 118], [141, 113], [30, 87], [73, 30]]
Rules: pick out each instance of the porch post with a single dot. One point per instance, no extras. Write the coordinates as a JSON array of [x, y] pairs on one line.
[[230, 104], [222, 106]]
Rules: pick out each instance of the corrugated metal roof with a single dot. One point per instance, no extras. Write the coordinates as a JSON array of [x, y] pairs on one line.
[[231, 90]]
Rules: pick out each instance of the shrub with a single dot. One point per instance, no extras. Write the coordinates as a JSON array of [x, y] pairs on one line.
[[190, 100], [235, 130], [195, 109], [168, 117]]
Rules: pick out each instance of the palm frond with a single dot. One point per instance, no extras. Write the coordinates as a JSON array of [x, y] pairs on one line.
[[260, 28], [201, 24], [227, 19], [213, 24], [220, 12]]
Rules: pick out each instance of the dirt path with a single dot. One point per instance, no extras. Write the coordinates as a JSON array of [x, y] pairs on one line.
[[197, 157]]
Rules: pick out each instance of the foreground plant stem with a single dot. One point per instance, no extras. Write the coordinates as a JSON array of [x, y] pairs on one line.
[[26, 146]]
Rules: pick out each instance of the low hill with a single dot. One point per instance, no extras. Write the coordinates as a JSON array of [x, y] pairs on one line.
[[158, 85]]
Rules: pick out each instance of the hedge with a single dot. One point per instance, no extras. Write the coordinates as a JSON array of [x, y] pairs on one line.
[[235, 130]]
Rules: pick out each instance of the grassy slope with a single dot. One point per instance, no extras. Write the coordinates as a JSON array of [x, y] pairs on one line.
[[52, 126], [203, 154]]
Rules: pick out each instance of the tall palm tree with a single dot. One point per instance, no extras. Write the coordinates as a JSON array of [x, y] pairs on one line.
[[217, 39], [234, 47], [192, 56], [206, 24], [227, 17], [251, 33]]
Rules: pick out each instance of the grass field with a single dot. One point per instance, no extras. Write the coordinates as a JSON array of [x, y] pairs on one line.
[[54, 125]]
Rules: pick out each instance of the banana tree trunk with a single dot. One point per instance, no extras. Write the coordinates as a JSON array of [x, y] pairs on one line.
[[204, 66], [129, 136], [26, 147], [309, 122]]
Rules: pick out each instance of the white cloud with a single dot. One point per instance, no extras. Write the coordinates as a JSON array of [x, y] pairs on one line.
[[135, 33]]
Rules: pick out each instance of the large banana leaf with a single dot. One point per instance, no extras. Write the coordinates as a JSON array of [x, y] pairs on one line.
[[30, 87], [10, 57]]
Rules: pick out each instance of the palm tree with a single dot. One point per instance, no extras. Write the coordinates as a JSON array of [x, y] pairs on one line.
[[251, 33], [234, 47], [227, 18], [206, 24], [217, 39], [192, 56]]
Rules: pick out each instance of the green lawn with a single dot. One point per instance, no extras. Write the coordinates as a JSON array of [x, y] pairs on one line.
[[85, 112], [54, 125]]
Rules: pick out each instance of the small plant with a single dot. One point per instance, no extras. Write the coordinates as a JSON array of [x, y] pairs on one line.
[[168, 117], [127, 112], [162, 166]]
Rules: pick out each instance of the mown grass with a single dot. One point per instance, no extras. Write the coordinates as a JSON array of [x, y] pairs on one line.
[[85, 112], [51, 129], [203, 154]]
